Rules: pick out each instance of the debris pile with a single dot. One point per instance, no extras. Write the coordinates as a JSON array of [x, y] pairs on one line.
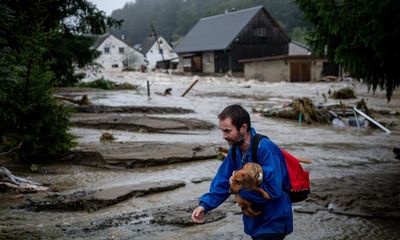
[[301, 109], [344, 93], [341, 115]]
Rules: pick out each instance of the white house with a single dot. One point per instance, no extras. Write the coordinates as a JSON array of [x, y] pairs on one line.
[[154, 52], [117, 55]]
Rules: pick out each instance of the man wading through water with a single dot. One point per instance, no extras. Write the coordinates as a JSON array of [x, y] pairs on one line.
[[276, 219]]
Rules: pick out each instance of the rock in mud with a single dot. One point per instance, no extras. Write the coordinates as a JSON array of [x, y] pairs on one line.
[[202, 179], [181, 215]]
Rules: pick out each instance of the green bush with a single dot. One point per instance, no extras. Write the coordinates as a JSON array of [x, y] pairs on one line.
[[107, 85], [98, 83]]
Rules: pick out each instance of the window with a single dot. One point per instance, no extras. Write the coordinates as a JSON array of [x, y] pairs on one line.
[[187, 62], [207, 58], [121, 50], [114, 65], [161, 51], [106, 50], [260, 32]]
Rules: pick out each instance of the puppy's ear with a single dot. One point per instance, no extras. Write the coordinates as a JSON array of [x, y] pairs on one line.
[[248, 182]]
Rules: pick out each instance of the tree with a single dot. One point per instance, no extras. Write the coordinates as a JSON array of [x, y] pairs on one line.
[[361, 36], [70, 21], [29, 115], [40, 43]]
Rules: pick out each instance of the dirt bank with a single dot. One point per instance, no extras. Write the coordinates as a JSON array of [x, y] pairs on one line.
[[137, 123], [142, 154]]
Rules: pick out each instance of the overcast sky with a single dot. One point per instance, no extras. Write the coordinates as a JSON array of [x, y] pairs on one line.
[[109, 5]]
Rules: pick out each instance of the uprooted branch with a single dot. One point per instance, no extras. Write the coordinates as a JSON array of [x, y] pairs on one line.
[[11, 150], [9, 181]]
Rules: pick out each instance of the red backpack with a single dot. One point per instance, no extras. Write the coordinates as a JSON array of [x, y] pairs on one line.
[[298, 177]]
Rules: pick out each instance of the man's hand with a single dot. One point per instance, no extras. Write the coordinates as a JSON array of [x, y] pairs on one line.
[[198, 215]]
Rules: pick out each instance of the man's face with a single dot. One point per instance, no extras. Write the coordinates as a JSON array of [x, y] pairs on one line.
[[230, 133]]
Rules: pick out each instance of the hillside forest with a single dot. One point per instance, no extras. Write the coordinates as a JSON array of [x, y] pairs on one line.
[[172, 19]]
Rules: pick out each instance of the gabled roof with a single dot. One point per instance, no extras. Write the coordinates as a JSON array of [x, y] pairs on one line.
[[100, 40], [216, 32], [147, 44], [103, 37]]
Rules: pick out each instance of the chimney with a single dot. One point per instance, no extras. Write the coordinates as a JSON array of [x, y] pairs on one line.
[[122, 36]]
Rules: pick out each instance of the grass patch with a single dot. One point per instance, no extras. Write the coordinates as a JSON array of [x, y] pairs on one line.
[[105, 84]]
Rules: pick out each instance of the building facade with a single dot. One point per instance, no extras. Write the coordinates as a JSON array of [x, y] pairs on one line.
[[117, 55]]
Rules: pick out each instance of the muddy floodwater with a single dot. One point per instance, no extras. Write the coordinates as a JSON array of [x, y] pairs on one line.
[[354, 172]]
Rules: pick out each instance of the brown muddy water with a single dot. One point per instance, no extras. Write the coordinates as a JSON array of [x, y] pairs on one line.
[[337, 153]]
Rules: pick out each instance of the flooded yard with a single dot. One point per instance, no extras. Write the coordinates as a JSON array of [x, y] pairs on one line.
[[354, 167]]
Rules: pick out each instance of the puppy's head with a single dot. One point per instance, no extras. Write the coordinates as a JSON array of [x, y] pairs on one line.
[[241, 179]]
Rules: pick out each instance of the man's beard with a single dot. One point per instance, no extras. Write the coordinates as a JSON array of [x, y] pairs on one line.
[[238, 142]]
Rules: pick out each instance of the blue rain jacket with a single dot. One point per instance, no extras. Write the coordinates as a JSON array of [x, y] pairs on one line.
[[276, 214]]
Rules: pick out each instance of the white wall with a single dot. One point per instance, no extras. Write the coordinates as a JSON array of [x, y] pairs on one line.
[[113, 60], [153, 55], [279, 70], [272, 71]]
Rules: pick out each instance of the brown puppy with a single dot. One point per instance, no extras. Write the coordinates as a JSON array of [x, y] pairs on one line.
[[248, 177]]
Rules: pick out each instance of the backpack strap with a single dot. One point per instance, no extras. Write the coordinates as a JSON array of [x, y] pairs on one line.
[[254, 146]]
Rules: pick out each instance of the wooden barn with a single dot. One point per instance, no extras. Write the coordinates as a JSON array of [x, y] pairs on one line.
[[217, 43]]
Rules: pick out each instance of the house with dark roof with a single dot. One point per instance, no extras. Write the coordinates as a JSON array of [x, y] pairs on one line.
[[157, 52], [217, 43], [116, 54]]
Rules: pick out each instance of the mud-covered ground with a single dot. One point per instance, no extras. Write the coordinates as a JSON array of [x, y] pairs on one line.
[[144, 184]]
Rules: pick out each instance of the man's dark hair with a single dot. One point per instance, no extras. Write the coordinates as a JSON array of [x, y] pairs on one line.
[[238, 114]]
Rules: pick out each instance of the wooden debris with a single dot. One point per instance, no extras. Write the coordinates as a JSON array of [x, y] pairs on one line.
[[9, 181], [191, 86], [11, 150], [83, 101], [309, 112], [330, 78]]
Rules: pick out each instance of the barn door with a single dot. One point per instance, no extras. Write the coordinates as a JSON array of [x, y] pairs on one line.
[[197, 64], [300, 72]]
